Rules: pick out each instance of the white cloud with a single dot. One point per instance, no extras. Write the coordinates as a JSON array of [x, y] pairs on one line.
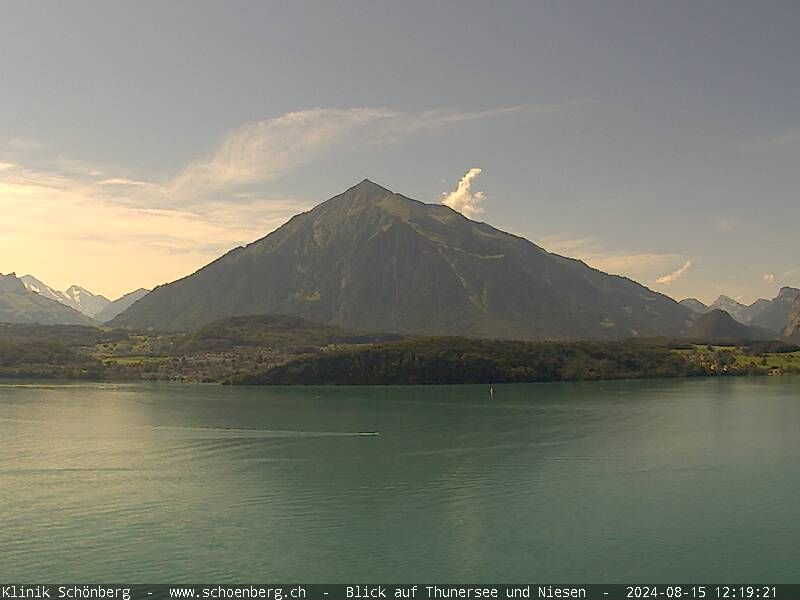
[[769, 278], [123, 181], [675, 275], [463, 199]]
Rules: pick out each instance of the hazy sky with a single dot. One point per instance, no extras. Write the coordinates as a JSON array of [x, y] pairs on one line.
[[659, 140]]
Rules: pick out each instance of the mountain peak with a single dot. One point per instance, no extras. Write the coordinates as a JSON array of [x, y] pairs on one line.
[[366, 182], [10, 282], [726, 299], [694, 304], [368, 190], [18, 304], [374, 260], [719, 325], [365, 195], [75, 296], [367, 186]]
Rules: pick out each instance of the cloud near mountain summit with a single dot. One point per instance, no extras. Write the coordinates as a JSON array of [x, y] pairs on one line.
[[463, 199]]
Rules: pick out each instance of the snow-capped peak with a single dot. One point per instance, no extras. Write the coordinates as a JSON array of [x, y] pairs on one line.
[[75, 296]]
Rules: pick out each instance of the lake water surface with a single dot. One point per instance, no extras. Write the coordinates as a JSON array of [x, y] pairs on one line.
[[656, 481]]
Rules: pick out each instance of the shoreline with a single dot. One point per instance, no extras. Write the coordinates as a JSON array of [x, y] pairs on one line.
[[56, 381]]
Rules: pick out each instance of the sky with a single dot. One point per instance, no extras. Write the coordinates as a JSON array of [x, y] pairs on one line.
[[656, 140]]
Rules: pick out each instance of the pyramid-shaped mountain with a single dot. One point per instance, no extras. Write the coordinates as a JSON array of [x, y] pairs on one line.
[[374, 260]]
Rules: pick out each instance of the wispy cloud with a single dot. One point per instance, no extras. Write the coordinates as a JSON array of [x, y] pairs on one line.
[[110, 238], [641, 266], [675, 275], [113, 230], [123, 181], [399, 125], [463, 199], [781, 138], [24, 143], [263, 151], [726, 224]]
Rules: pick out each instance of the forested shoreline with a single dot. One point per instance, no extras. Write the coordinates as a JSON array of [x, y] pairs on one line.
[[277, 350]]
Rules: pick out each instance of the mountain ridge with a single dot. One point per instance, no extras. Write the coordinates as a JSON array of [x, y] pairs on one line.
[[734, 308], [120, 305], [373, 260], [718, 325], [775, 315], [769, 314], [695, 305], [75, 296], [95, 306], [18, 304]]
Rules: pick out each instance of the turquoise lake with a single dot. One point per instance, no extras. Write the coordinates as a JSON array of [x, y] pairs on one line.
[[692, 480]]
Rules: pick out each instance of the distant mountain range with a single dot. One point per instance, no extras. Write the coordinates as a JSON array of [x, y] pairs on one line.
[[718, 325], [741, 312], [372, 260], [18, 304], [75, 296], [695, 305], [80, 299], [769, 314], [733, 307], [120, 305], [774, 314]]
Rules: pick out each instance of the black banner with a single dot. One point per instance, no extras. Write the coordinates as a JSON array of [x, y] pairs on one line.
[[399, 591]]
